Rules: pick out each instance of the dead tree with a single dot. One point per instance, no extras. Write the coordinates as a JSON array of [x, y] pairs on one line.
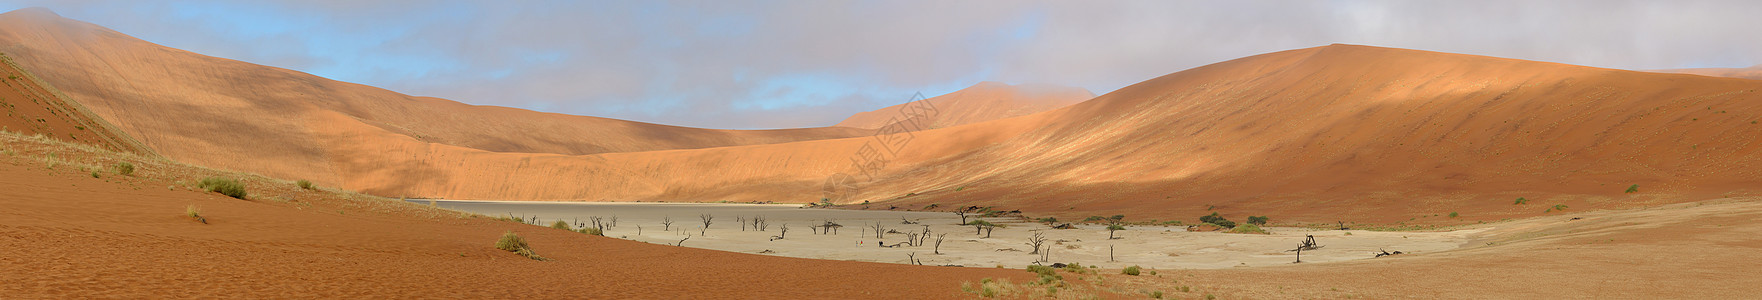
[[1035, 241], [911, 239], [964, 211], [903, 220], [1046, 255], [681, 242], [913, 258], [614, 221], [667, 223], [783, 231], [938, 249], [760, 223], [742, 221], [707, 218], [1308, 244], [924, 236], [880, 232]]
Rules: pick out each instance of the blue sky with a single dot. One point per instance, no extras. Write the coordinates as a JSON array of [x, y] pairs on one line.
[[779, 64]]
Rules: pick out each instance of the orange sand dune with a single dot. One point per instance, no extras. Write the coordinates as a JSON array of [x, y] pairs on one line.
[[1754, 72], [982, 102], [1313, 134], [235, 115], [1340, 132]]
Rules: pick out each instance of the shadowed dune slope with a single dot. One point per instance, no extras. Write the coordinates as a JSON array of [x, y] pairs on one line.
[[1342, 131], [229, 114], [982, 102], [33, 107], [1754, 72]]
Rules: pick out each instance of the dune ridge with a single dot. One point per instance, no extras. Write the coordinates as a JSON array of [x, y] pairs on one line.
[[979, 103]]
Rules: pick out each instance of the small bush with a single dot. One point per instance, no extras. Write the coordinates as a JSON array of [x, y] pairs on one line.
[[1218, 220], [94, 174], [1156, 295], [192, 211], [591, 231], [1132, 270], [1074, 268], [1093, 219], [1521, 201], [514, 243], [1633, 189], [1042, 270], [303, 184], [224, 186], [1260, 220], [125, 169], [559, 224], [1452, 214]]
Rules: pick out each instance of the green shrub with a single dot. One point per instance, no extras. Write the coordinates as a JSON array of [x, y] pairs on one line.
[[1132, 270], [1633, 189], [224, 186], [1074, 268], [1260, 220], [304, 184], [1218, 220], [559, 224], [1452, 214], [591, 231], [1521, 201], [1156, 295], [514, 243], [1042, 270], [125, 168], [94, 174], [1248, 228], [1093, 219]]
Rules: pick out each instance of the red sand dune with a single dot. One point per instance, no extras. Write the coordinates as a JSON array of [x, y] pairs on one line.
[[1312, 134], [1318, 134], [982, 102], [1754, 72]]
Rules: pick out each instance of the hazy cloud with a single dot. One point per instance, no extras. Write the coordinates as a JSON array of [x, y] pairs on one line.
[[769, 64]]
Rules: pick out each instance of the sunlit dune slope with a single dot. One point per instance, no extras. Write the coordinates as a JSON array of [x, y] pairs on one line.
[[235, 115], [982, 102]]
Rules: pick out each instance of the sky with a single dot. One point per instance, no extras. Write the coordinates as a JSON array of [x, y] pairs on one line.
[[783, 64]]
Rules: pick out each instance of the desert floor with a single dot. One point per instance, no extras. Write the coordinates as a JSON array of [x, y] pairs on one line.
[[1166, 247]]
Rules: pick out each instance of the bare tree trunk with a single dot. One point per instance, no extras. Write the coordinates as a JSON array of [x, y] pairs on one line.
[[1036, 241], [707, 218], [938, 249], [667, 223]]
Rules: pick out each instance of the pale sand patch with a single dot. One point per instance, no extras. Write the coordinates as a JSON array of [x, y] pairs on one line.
[[1165, 247]]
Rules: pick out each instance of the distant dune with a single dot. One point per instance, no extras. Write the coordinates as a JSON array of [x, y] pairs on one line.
[[982, 102], [1317, 134], [235, 115], [1754, 72]]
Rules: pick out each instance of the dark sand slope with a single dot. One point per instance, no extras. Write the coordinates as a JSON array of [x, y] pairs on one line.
[[1745, 73], [33, 107]]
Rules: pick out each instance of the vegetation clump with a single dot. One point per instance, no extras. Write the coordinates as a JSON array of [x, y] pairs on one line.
[[304, 184], [559, 224], [1521, 201], [514, 243], [1218, 220], [1132, 270], [125, 168], [224, 186], [1633, 189], [1258, 220]]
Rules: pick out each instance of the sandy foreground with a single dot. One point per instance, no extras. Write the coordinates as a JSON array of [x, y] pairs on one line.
[[1164, 247]]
